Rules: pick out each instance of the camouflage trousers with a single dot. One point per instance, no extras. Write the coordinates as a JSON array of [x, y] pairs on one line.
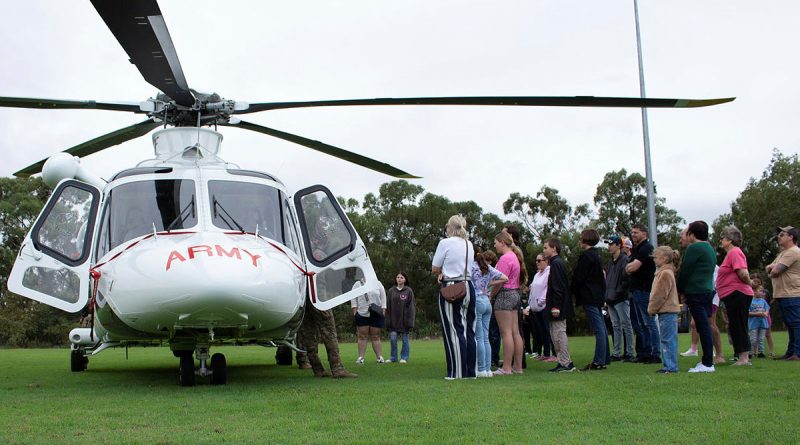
[[318, 326]]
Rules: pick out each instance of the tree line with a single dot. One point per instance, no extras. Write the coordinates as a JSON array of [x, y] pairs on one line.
[[401, 225]]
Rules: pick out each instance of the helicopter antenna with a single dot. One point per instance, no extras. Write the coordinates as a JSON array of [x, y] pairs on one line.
[[155, 232]]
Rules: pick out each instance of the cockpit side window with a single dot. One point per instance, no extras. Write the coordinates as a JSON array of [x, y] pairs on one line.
[[137, 208], [246, 207], [290, 228]]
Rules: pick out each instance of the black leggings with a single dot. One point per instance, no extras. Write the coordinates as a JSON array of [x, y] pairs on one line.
[[737, 305]]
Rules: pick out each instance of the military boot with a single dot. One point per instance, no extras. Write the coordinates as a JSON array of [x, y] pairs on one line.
[[319, 370], [342, 373]]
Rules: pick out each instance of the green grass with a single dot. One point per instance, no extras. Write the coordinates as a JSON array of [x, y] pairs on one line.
[[138, 401]]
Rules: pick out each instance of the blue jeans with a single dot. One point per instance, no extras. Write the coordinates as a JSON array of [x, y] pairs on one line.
[[668, 331], [393, 342], [641, 299], [700, 308], [483, 313], [623, 332], [790, 311], [636, 324], [598, 325]]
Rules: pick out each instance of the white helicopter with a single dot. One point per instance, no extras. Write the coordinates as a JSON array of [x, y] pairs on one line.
[[189, 249]]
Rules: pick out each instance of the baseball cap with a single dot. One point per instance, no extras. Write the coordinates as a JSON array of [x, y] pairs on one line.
[[788, 229], [627, 243], [613, 239]]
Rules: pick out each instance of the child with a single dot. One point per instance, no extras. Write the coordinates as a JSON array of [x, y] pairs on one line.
[[757, 322], [664, 302]]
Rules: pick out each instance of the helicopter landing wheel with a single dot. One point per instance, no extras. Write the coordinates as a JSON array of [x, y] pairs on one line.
[[219, 369], [78, 361], [186, 375]]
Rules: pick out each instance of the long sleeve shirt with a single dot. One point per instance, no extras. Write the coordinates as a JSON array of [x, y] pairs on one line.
[[558, 289]]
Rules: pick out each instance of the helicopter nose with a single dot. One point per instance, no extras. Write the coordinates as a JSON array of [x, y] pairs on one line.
[[204, 280]]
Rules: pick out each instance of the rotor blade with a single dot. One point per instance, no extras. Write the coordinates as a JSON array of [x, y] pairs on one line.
[[97, 144], [140, 29], [525, 101], [56, 104], [327, 149]]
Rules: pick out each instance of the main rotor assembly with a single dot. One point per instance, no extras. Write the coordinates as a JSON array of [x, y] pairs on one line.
[[142, 32]]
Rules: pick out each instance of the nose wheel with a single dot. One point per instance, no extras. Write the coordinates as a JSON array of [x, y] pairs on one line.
[[186, 375], [219, 369], [216, 369]]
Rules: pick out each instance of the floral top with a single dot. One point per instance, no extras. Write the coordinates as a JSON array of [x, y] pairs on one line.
[[481, 281]]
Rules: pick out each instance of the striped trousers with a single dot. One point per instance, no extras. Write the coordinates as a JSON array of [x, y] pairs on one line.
[[458, 333]]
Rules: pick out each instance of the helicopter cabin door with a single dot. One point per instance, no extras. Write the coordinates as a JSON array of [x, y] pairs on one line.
[[53, 263], [334, 251]]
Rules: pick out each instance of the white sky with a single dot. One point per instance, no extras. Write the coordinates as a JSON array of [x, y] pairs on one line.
[[260, 51]]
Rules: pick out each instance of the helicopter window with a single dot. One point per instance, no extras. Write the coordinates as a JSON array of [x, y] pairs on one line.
[[141, 171], [246, 207], [138, 208], [252, 173], [62, 232], [290, 228], [328, 236]]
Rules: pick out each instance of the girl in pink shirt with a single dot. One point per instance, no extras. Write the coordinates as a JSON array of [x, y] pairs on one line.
[[506, 303]]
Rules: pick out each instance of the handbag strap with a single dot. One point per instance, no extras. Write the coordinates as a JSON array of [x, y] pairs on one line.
[[466, 257]]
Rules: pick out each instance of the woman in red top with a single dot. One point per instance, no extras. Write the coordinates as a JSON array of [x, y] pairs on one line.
[[735, 290], [506, 303]]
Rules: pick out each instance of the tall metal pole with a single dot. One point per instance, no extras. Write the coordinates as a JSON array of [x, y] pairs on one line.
[[651, 205]]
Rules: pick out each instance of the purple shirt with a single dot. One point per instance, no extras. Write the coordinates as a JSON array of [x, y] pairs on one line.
[[481, 281]]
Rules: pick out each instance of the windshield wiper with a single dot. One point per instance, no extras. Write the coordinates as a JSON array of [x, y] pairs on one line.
[[181, 218], [230, 222]]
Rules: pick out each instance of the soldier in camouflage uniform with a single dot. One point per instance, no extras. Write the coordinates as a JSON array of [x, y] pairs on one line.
[[320, 325]]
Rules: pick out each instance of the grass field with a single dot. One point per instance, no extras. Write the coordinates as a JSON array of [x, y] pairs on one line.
[[138, 401]]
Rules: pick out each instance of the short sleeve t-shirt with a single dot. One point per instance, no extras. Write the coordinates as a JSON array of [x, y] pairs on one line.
[[787, 284], [450, 256], [509, 265], [727, 280]]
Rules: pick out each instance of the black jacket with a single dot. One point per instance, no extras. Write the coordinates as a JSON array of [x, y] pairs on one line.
[[558, 289], [588, 282], [617, 280]]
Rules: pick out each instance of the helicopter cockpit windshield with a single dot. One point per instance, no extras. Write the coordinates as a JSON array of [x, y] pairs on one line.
[[246, 207], [136, 208]]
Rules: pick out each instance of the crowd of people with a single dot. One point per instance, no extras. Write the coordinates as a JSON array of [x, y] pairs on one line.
[[640, 288]]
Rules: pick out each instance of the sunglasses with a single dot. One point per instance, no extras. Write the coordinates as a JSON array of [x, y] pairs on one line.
[[539, 260]]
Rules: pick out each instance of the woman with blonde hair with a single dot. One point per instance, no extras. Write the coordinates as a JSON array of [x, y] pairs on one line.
[[506, 303], [664, 303], [451, 266]]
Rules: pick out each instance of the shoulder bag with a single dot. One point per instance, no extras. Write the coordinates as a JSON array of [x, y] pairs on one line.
[[457, 291]]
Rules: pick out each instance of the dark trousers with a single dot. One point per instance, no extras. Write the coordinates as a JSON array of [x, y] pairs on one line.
[[542, 344], [494, 339], [738, 306], [700, 308], [527, 331]]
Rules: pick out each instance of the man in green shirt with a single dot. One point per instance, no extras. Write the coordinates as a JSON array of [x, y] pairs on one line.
[[695, 281]]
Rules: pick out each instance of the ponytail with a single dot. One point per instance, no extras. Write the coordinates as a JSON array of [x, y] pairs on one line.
[[523, 271]]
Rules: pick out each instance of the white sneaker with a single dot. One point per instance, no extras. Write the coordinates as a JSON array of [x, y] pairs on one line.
[[689, 353], [381, 360], [403, 361], [360, 361], [485, 374], [700, 367]]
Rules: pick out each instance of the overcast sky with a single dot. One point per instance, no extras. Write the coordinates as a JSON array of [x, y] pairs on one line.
[[259, 51]]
